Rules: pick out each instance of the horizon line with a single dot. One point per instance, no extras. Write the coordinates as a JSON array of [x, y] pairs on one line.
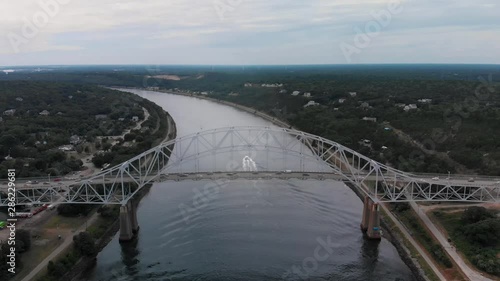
[[246, 65]]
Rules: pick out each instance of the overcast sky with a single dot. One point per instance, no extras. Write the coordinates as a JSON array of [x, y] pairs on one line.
[[248, 31]]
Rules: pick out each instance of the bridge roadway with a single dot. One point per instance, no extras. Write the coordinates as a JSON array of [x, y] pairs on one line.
[[64, 188], [458, 180]]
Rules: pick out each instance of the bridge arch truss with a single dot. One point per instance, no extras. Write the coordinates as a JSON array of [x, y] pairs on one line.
[[267, 150]]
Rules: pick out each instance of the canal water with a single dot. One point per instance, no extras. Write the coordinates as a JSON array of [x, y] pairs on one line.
[[245, 229]]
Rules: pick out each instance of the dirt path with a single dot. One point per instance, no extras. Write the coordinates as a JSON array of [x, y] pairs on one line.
[[469, 272]]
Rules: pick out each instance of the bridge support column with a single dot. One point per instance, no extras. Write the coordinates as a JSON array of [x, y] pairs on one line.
[[367, 205], [370, 222], [128, 222], [373, 231], [133, 217]]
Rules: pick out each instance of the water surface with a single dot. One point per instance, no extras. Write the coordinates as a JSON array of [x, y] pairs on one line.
[[245, 230]]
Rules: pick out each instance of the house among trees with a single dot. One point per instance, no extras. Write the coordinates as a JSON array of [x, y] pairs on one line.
[[66, 148], [371, 119], [135, 119], [9, 112], [295, 93], [311, 103], [74, 139], [44, 113], [425, 100], [410, 107], [101, 117]]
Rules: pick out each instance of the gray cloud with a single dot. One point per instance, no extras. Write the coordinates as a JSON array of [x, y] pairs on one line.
[[251, 32]]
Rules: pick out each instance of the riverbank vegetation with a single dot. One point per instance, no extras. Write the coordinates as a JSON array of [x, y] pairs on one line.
[[85, 244], [418, 230], [475, 232]]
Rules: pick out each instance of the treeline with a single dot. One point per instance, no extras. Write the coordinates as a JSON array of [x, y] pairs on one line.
[[461, 121], [475, 233]]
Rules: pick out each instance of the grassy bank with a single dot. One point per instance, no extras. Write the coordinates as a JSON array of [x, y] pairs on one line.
[[411, 251]]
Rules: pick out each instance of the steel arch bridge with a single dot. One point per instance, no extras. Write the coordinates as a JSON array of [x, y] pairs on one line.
[[256, 153]]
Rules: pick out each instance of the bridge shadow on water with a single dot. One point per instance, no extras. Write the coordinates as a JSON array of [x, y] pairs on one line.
[[130, 257]]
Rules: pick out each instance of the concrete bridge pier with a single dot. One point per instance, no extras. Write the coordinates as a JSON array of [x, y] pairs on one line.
[[133, 218], [128, 222], [367, 204], [370, 222]]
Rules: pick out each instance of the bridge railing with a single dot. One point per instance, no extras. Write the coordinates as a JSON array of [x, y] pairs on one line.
[[457, 176]]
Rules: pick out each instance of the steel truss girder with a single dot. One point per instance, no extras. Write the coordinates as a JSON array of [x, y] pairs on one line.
[[382, 183]]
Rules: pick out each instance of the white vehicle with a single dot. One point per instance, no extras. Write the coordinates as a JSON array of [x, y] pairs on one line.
[[471, 180], [105, 166], [435, 178], [24, 215], [288, 171]]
